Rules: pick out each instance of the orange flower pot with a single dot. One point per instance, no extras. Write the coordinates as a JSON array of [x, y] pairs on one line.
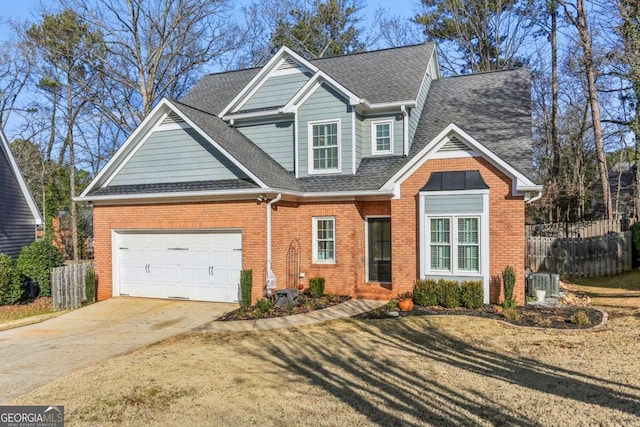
[[405, 304]]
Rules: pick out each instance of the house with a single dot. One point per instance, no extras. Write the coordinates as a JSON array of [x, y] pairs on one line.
[[19, 215], [370, 170]]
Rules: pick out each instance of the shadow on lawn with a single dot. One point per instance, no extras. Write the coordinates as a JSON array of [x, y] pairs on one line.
[[387, 393]]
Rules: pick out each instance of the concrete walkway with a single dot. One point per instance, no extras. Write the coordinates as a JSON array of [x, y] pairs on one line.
[[347, 309], [37, 354]]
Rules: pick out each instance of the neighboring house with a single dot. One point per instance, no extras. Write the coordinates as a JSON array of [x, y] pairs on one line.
[[367, 169], [19, 215]]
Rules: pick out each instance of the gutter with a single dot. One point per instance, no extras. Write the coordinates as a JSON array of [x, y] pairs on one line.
[[271, 278]]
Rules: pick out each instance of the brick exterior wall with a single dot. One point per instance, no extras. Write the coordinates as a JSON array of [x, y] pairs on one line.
[[293, 220]]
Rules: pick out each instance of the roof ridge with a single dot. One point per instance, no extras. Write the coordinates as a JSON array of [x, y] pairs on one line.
[[480, 73]]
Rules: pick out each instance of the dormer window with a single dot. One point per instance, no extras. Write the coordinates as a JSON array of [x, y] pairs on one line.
[[324, 138], [382, 137]]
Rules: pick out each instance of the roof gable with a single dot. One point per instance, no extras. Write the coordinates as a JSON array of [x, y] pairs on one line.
[[5, 151]]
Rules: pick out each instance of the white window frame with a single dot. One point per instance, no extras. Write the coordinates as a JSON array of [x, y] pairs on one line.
[[453, 244], [310, 126], [374, 137], [314, 227], [366, 245]]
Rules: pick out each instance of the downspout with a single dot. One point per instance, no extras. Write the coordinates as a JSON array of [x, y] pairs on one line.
[[271, 278], [405, 128], [533, 199]]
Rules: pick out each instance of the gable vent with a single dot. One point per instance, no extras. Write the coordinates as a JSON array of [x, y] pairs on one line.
[[288, 64], [454, 144], [172, 118]]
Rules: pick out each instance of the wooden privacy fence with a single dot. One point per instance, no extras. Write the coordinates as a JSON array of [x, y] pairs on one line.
[[578, 229], [68, 285], [604, 255]]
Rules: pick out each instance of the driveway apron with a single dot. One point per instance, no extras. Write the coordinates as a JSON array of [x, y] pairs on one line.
[[34, 355]]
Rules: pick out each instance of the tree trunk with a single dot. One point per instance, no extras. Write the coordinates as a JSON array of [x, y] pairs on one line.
[[555, 144], [72, 173]]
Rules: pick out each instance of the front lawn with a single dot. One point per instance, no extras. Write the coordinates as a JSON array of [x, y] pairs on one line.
[[36, 307], [615, 294]]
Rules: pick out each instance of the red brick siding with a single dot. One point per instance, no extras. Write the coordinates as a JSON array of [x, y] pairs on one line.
[[291, 220]]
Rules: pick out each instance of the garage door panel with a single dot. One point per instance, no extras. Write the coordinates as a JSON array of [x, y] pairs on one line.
[[200, 266]]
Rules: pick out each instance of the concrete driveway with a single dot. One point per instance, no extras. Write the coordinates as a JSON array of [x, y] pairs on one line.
[[33, 355]]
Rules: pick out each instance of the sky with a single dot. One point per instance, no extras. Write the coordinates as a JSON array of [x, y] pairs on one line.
[[21, 10]]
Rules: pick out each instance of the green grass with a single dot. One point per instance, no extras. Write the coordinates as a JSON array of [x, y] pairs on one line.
[[629, 281]]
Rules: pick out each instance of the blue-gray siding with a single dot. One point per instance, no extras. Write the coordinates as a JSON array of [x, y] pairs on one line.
[[276, 91], [275, 139], [180, 155], [398, 128], [453, 204], [359, 142], [325, 104], [17, 225], [415, 114]]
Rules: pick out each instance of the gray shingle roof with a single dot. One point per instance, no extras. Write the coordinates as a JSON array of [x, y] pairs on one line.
[[229, 184], [494, 108]]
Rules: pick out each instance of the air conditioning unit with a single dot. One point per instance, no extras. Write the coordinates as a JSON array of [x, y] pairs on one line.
[[550, 282]]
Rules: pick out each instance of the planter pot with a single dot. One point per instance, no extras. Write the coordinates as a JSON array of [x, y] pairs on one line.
[[540, 294], [405, 304]]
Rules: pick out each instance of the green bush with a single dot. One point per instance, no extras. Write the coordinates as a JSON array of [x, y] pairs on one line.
[[263, 305], [316, 287], [11, 287], [509, 281], [472, 294], [425, 292], [90, 286], [246, 284], [448, 293], [36, 261]]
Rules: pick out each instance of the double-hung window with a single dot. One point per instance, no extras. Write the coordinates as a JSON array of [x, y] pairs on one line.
[[324, 240], [454, 244], [382, 137], [325, 146]]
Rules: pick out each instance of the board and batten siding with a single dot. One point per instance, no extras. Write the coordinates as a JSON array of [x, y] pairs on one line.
[[325, 104], [398, 129], [276, 91], [414, 116], [275, 139], [17, 225], [180, 155], [453, 204]]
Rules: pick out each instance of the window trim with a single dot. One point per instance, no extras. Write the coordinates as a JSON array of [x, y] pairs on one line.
[[374, 138], [314, 239], [366, 247], [454, 268], [310, 125]]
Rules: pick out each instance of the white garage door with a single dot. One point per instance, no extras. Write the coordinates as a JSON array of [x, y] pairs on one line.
[[197, 266]]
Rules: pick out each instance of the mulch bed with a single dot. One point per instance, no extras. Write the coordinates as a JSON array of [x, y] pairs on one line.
[[305, 304], [567, 317]]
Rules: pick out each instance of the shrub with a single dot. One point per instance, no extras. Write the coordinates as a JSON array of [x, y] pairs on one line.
[[263, 305], [511, 314], [11, 286], [90, 285], [36, 261], [316, 287], [246, 284], [425, 292], [509, 282], [448, 293], [581, 318], [472, 294]]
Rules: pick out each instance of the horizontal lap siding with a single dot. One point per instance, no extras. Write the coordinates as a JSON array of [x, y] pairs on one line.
[[176, 156], [17, 225], [415, 114], [275, 139], [367, 137], [276, 91], [324, 104]]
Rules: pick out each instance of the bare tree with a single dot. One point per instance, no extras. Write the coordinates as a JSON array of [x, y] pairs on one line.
[[154, 48], [577, 15]]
